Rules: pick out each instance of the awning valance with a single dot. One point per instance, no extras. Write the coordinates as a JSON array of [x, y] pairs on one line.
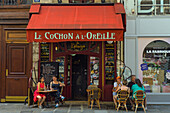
[[75, 23]]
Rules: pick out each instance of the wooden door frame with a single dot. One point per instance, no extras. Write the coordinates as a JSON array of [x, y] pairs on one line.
[[88, 53]]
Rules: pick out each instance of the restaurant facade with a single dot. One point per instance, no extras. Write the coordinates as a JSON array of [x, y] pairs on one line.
[[85, 39]]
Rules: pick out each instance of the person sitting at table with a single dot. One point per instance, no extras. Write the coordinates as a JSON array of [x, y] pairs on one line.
[[37, 96], [55, 85], [131, 83], [115, 87], [136, 87], [122, 87]]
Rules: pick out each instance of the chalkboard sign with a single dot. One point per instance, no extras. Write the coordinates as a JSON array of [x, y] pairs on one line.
[[48, 69]]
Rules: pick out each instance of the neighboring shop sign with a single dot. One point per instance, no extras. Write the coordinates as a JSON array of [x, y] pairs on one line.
[[36, 0], [144, 67], [74, 35]]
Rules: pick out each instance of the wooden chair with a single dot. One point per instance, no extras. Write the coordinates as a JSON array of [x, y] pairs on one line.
[[122, 97], [89, 96], [139, 97], [95, 96], [90, 87]]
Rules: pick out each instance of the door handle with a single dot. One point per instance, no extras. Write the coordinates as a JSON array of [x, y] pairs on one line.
[[16, 79], [6, 72]]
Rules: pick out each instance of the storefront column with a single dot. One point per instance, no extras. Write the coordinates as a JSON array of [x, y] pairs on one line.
[[103, 72]]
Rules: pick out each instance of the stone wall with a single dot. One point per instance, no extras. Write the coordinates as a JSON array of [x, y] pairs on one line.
[[35, 60]]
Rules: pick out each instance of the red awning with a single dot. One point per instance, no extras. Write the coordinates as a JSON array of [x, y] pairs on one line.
[[75, 23]]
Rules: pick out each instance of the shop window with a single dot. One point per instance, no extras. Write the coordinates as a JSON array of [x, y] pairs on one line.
[[61, 61], [96, 49], [69, 70], [15, 2], [44, 52], [156, 74], [59, 47], [109, 63], [94, 70], [81, 1]]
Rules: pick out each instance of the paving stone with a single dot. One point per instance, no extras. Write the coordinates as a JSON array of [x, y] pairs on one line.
[[75, 111], [88, 111], [100, 111], [60, 111], [26, 112]]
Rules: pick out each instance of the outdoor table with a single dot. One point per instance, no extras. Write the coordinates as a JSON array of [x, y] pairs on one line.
[[46, 92]]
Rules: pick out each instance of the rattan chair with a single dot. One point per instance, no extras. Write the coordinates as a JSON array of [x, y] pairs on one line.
[[90, 87], [122, 97], [95, 96], [139, 97]]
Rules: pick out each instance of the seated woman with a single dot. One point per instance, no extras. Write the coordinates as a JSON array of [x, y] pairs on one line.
[[123, 87], [37, 96], [136, 87], [55, 85], [117, 84]]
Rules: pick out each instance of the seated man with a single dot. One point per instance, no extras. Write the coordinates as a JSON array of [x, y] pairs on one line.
[[123, 87], [131, 83]]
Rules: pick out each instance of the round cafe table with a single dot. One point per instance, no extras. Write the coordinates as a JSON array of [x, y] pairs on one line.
[[47, 92]]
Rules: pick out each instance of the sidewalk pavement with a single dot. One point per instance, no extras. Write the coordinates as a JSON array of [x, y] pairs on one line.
[[75, 108]]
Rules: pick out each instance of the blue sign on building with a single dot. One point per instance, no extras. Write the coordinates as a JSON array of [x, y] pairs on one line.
[[36, 0], [144, 67]]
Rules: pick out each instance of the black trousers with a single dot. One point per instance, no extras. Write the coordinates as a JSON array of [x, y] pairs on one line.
[[57, 96]]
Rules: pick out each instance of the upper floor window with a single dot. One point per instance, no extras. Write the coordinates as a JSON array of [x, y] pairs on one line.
[[76, 1], [153, 7], [81, 1], [15, 2]]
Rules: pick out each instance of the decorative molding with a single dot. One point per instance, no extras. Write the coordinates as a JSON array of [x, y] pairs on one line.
[[13, 36], [3, 100], [15, 98]]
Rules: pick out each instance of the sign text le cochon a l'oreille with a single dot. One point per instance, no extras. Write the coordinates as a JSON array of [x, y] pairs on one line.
[[75, 36]]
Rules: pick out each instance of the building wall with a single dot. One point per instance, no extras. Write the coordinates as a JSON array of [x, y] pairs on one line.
[[15, 51], [141, 30]]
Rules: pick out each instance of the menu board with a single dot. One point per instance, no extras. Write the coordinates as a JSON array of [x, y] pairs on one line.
[[109, 61], [45, 54], [48, 69]]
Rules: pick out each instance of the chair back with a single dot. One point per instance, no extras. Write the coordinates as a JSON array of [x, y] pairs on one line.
[[96, 93], [139, 95], [123, 95], [92, 87]]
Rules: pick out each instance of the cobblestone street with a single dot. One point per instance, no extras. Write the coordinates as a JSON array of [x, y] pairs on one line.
[[75, 108]]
